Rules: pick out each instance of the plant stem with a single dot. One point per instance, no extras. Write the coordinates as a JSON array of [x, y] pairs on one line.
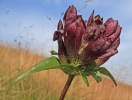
[[67, 85]]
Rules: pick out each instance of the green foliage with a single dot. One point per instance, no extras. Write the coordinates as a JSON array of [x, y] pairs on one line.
[[96, 75], [49, 63], [53, 52], [104, 71], [53, 63], [84, 77]]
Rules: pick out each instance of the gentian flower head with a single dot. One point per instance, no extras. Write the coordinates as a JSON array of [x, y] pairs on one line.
[[83, 46], [86, 42]]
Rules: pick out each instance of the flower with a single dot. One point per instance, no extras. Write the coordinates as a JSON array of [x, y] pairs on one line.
[[82, 46], [86, 42]]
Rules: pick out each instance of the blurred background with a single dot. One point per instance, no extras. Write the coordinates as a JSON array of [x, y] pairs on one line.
[[30, 24]]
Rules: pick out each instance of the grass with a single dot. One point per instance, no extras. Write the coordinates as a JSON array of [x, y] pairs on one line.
[[47, 85]]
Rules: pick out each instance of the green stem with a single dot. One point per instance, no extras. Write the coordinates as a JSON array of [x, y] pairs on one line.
[[67, 85]]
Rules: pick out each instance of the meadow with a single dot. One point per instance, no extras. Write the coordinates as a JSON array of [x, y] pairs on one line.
[[47, 85]]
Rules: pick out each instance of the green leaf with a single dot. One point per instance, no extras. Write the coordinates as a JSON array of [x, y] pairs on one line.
[[68, 69], [53, 52], [96, 75], [49, 63], [84, 77], [107, 73]]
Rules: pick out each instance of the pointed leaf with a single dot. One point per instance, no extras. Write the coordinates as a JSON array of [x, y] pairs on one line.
[[67, 69], [107, 73], [84, 77], [49, 63], [96, 76], [53, 52]]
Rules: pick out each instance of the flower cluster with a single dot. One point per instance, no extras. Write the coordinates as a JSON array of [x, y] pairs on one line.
[[83, 45], [86, 41]]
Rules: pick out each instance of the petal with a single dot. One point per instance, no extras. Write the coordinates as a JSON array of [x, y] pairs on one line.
[[90, 19], [97, 45], [70, 14], [114, 45], [91, 52], [60, 25], [72, 27], [102, 59], [108, 21], [86, 22], [98, 20], [115, 35], [93, 31], [107, 55], [62, 51], [59, 31], [73, 36], [105, 47], [69, 40], [56, 36], [111, 27]]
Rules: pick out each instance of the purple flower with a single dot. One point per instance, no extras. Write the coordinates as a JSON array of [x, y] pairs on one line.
[[90, 41]]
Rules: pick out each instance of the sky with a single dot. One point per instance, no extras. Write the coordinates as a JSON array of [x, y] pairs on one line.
[[31, 24]]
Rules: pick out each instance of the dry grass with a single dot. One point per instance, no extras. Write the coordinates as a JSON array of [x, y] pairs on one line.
[[47, 85]]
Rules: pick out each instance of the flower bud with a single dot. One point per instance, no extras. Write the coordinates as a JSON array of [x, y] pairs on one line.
[[73, 31], [100, 41], [86, 42], [61, 48]]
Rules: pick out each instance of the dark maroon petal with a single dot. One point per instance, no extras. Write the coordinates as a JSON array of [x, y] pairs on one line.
[[108, 21], [111, 27], [56, 36], [97, 45], [69, 39], [60, 25], [91, 52], [67, 23], [62, 51], [98, 20], [105, 47], [115, 35], [93, 31], [80, 21], [107, 55], [90, 19], [72, 27], [88, 42], [87, 36], [79, 33], [73, 36], [59, 32], [86, 22], [70, 14], [86, 59], [97, 31], [114, 45]]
